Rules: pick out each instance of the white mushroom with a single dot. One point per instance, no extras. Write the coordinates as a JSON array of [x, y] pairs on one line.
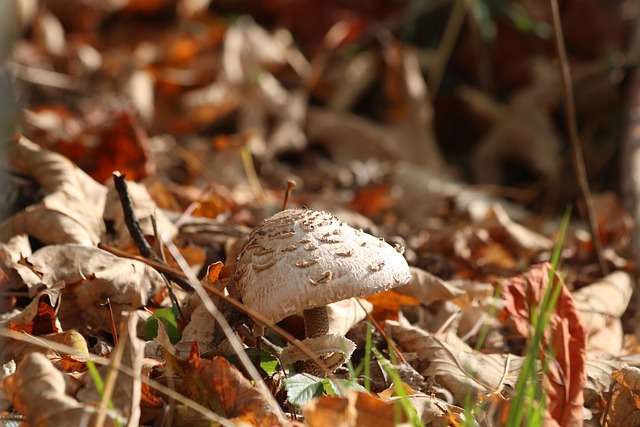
[[300, 260]]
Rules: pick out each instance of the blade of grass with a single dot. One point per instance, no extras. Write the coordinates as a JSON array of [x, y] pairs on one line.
[[528, 392], [403, 396], [367, 358]]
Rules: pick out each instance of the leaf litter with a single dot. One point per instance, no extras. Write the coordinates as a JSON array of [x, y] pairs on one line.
[[208, 109]]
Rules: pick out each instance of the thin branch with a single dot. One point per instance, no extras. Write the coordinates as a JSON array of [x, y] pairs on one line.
[[131, 221], [574, 139]]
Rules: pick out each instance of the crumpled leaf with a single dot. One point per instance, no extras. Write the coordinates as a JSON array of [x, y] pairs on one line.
[[601, 304], [334, 350], [37, 390], [461, 372], [72, 210], [90, 276], [565, 334]]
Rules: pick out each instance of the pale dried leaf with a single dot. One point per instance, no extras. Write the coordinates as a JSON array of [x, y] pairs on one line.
[[501, 227], [16, 350], [95, 275], [428, 288], [70, 213], [336, 348], [601, 304], [462, 373], [345, 314], [37, 390]]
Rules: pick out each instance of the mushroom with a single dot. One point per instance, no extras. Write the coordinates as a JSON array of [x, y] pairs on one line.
[[300, 260]]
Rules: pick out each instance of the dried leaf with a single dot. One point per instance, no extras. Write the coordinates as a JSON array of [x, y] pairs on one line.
[[601, 304], [240, 400], [428, 288], [624, 406], [90, 276], [356, 409], [37, 390], [566, 334], [462, 373], [70, 213]]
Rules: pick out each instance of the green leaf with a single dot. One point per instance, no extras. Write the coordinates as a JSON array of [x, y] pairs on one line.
[[168, 317], [301, 388], [348, 384], [268, 363]]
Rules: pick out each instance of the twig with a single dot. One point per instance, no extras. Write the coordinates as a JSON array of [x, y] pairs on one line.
[[574, 139], [131, 221], [114, 330]]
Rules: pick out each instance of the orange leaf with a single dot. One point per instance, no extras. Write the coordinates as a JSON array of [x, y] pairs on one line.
[[44, 322]]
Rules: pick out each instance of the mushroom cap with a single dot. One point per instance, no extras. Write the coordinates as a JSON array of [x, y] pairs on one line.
[[299, 259]]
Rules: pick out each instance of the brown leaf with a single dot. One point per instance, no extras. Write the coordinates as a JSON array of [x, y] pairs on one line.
[[357, 410], [624, 407], [240, 400], [90, 276], [565, 334], [44, 322], [222, 387], [70, 213]]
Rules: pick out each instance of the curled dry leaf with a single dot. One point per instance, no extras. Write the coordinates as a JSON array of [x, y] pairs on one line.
[[37, 390], [90, 276], [334, 350], [601, 304], [565, 334], [72, 210], [461, 372]]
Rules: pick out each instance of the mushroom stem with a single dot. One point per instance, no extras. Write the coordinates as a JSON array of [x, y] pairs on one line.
[[316, 322]]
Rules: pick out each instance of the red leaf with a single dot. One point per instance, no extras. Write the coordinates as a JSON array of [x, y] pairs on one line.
[[565, 335]]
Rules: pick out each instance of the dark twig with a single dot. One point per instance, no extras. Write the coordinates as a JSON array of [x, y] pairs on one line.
[[135, 231], [572, 128], [130, 218]]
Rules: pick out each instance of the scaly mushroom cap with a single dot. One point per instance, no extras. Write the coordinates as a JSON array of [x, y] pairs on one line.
[[301, 258]]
